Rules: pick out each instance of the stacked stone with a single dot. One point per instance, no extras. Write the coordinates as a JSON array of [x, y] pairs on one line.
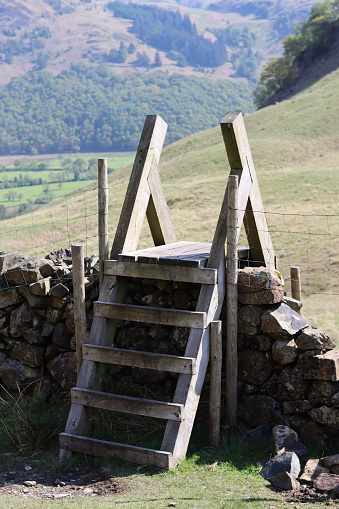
[[36, 321], [155, 338], [288, 369]]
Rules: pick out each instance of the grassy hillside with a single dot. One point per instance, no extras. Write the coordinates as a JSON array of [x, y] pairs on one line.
[[294, 146]]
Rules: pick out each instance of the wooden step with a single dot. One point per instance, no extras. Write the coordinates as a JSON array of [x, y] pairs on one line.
[[166, 272], [163, 316], [141, 455], [122, 357], [127, 404]]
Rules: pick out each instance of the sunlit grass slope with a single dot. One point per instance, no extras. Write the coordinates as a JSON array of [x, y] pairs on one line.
[[295, 150]]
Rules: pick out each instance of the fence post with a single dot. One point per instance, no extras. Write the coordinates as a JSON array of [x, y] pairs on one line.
[[232, 303], [215, 383], [102, 216], [79, 300], [295, 282]]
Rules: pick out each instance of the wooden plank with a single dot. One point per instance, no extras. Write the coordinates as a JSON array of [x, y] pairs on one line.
[[295, 282], [127, 404], [165, 272], [138, 192], [188, 390], [102, 216], [157, 212], [143, 456], [232, 303], [80, 323], [138, 359], [215, 384], [151, 253], [162, 316], [102, 333], [239, 156]]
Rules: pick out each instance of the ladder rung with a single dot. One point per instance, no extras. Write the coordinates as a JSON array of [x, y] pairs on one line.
[[141, 455], [122, 357], [163, 316], [127, 404], [167, 272]]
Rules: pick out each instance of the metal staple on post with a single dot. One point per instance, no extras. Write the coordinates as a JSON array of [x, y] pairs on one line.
[[232, 303], [79, 300], [102, 216]]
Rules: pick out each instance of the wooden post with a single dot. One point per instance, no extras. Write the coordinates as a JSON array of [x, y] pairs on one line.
[[102, 216], [215, 384], [79, 300], [232, 303], [295, 283]]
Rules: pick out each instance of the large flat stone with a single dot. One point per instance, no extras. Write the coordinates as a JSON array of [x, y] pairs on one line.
[[326, 482], [281, 322], [259, 286], [321, 367], [286, 462], [313, 469], [328, 416], [313, 338]]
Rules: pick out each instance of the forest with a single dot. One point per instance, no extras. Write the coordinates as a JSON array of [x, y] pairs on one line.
[[90, 108], [169, 31]]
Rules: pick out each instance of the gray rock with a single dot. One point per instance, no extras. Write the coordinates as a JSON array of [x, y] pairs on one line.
[[30, 355], [285, 462], [259, 286], [61, 338], [7, 260], [179, 337], [59, 290], [34, 337], [53, 315], [326, 482], [297, 406], [285, 481], [33, 300], [258, 435], [40, 288], [256, 409], [321, 392], [63, 369], [294, 304], [13, 374], [281, 322], [329, 461], [327, 416], [10, 297], [287, 440], [23, 273], [21, 320], [291, 385], [312, 338], [312, 434], [284, 351], [313, 469], [321, 367], [255, 366]]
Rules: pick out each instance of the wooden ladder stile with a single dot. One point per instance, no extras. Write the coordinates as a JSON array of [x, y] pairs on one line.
[[169, 260]]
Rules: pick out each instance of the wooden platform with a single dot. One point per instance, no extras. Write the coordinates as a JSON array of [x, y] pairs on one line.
[[185, 254]]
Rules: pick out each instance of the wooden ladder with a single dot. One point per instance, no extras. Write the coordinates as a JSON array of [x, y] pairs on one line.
[[168, 260]]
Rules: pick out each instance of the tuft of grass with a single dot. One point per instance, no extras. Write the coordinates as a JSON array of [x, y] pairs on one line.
[[28, 424]]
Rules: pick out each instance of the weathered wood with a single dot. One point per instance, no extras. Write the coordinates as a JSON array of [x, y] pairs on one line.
[[79, 300], [143, 456], [166, 272], [138, 191], [127, 404], [295, 282], [122, 357], [215, 384], [239, 156], [232, 303], [188, 390], [102, 333], [162, 316], [102, 216], [157, 212]]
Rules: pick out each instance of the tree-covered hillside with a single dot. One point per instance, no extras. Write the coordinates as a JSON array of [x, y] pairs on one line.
[[311, 40], [90, 108]]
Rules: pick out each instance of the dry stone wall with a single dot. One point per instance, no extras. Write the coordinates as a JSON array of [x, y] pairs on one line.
[[288, 368]]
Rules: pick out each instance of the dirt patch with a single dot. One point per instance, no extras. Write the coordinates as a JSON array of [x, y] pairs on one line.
[[30, 480]]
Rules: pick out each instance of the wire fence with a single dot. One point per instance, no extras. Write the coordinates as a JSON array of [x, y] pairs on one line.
[[310, 241]]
